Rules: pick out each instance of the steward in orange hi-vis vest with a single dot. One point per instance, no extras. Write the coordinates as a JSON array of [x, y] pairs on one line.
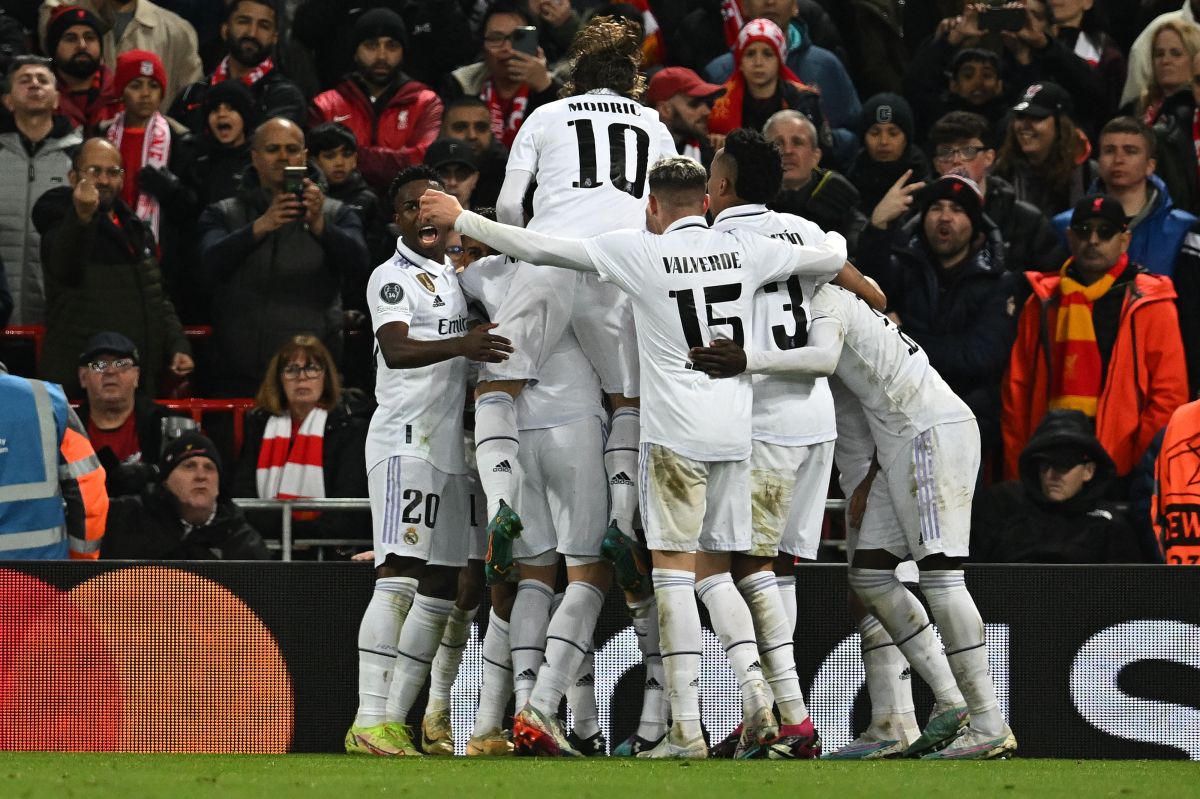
[[1175, 506]]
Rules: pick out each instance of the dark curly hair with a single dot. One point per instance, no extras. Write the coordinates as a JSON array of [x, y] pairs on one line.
[[408, 175], [758, 169], [607, 54]]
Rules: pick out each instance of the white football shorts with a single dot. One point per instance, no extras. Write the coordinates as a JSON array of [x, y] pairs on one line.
[[418, 512], [788, 487], [690, 505]]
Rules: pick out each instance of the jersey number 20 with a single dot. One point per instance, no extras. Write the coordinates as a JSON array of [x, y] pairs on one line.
[[585, 137]]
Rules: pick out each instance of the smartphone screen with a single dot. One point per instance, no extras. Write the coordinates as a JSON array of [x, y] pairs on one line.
[[293, 179]]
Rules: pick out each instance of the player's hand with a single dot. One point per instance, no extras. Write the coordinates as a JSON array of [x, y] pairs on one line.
[[530, 69], [896, 202], [368, 555], [284, 208], [721, 358], [86, 198], [716, 141], [439, 208], [482, 345], [856, 505], [314, 205]]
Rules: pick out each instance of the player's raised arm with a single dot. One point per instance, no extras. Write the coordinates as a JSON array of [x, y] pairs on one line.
[[855, 281], [525, 245]]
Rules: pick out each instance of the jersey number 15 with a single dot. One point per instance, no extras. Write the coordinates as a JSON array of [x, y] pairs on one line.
[[689, 319]]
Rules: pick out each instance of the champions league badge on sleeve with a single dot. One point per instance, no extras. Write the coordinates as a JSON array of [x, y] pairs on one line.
[[391, 293]]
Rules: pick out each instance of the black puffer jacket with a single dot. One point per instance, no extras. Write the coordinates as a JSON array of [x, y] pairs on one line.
[[1177, 152], [873, 178], [829, 200], [274, 96], [1030, 241], [148, 527], [1013, 522]]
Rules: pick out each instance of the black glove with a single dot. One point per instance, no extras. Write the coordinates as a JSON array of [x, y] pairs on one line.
[[160, 182]]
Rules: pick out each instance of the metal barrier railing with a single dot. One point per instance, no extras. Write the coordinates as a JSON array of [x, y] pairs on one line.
[[285, 507]]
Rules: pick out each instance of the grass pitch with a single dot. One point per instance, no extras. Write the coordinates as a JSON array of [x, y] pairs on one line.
[[59, 775]]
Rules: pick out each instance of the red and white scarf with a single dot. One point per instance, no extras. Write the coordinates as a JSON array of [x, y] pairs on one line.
[[505, 128], [250, 78], [156, 151], [732, 21], [290, 468], [1087, 49]]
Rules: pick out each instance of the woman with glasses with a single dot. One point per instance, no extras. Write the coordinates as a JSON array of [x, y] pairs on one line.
[[305, 439]]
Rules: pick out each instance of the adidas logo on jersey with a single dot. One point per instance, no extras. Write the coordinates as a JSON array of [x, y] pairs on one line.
[[527, 675], [620, 479], [437, 301], [502, 466], [906, 674], [653, 685]]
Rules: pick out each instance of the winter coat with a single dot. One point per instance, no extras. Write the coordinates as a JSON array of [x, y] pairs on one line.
[[392, 133], [1175, 502], [356, 194], [829, 200], [1028, 184], [1145, 380], [1030, 241], [873, 178], [1187, 286], [265, 292], [1176, 151], [131, 478], [492, 165], [148, 527], [87, 109], [274, 96], [101, 276], [25, 178], [1013, 522], [470, 80], [1157, 237]]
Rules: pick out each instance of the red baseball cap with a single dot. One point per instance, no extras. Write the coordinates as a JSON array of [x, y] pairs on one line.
[[671, 81]]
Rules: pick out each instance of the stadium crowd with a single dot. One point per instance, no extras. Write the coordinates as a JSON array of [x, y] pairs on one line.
[[196, 195]]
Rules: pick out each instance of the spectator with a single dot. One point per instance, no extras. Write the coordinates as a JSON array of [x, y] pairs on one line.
[[684, 103], [810, 64], [1114, 325], [250, 33], [1141, 59], [276, 262], [959, 143], [222, 150], [557, 23], [185, 517], [948, 293], [50, 509], [1126, 167], [1175, 503], [1187, 286], [889, 150], [102, 274], [334, 149], [466, 118], [304, 440], [35, 149], [394, 118], [140, 25], [125, 429], [764, 84], [511, 84], [454, 161], [1044, 156], [822, 195], [1081, 28], [1175, 45], [85, 85], [948, 73], [1054, 513], [1178, 143], [13, 41]]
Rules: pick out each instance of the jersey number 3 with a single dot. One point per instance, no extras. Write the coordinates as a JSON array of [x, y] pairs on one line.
[[585, 137]]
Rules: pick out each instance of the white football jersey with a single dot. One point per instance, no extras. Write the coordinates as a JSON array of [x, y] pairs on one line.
[[690, 286], [901, 394], [789, 410], [420, 410], [855, 445], [567, 388], [590, 156]]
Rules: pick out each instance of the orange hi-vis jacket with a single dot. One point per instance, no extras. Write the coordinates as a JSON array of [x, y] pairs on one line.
[[1145, 382], [1175, 505]]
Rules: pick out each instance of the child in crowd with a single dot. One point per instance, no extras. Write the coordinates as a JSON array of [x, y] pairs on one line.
[[889, 149]]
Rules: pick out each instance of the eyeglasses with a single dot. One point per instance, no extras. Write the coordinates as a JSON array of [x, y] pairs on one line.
[[95, 172], [294, 372], [496, 40], [1105, 230], [119, 365], [967, 152], [454, 250]]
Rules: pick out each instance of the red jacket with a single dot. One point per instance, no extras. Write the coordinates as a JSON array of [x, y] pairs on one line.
[[88, 109], [394, 138], [1175, 504], [1146, 379]]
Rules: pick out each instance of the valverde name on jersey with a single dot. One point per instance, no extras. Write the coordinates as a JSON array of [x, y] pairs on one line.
[[687, 264]]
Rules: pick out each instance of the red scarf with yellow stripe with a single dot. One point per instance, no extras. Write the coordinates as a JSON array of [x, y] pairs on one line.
[[1075, 385]]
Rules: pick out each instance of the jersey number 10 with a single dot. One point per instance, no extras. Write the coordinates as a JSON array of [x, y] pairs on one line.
[[585, 137]]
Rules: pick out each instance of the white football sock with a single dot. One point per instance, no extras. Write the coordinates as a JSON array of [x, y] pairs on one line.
[[621, 465], [732, 623], [581, 698], [568, 639], [888, 684], [496, 447], [966, 647], [775, 644], [497, 677], [905, 620], [787, 595], [377, 636], [682, 645], [419, 640], [527, 634], [653, 724], [448, 658]]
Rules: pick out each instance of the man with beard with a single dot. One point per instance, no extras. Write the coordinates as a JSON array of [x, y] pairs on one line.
[[393, 117], [250, 33], [683, 102], [85, 85]]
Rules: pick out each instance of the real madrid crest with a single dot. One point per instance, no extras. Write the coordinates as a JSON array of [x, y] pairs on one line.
[[391, 293], [426, 281], [410, 536]]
